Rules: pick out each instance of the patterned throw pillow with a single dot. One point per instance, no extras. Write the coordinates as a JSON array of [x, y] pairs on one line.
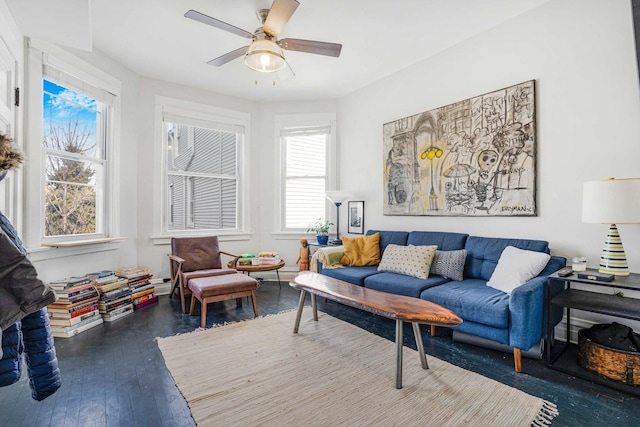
[[410, 260], [449, 264]]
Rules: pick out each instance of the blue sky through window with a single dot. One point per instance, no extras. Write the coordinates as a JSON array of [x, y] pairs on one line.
[[63, 107]]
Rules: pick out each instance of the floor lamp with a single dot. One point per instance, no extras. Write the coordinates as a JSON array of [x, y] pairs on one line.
[[612, 201], [337, 197]]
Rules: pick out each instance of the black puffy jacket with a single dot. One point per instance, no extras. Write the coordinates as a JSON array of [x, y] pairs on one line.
[[30, 336]]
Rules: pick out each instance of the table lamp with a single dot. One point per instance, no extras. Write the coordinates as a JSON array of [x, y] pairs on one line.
[[337, 197], [612, 201]]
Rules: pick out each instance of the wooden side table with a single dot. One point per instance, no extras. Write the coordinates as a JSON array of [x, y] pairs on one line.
[[260, 267]]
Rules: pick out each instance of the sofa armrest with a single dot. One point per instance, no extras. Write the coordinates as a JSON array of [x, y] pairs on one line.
[[528, 307], [526, 313]]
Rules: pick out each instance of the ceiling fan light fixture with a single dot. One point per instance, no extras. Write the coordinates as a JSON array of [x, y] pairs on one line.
[[265, 56]]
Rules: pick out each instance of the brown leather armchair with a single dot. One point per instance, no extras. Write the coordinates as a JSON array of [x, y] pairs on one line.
[[196, 269]]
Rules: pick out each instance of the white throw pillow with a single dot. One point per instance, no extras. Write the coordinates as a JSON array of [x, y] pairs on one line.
[[515, 267]]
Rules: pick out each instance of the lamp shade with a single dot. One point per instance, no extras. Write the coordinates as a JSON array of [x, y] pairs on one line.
[[612, 201], [337, 196], [264, 56]]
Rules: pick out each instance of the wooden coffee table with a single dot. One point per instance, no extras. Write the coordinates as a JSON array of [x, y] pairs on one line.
[[398, 307], [258, 268]]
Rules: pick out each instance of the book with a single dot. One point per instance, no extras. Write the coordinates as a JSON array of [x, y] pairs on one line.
[[115, 294], [53, 321], [141, 299], [119, 313], [140, 293], [62, 307], [107, 307], [71, 298], [78, 329], [146, 303], [115, 283], [133, 272], [69, 282], [269, 260], [268, 254], [101, 274], [67, 314]]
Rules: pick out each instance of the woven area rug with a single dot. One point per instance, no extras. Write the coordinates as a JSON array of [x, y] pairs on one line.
[[257, 372]]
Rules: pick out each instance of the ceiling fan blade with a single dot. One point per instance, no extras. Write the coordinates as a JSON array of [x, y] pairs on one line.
[[227, 57], [206, 19], [279, 15], [311, 46]]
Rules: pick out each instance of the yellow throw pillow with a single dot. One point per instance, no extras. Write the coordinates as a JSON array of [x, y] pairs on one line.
[[361, 251]]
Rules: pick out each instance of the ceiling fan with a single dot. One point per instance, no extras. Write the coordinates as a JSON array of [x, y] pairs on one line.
[[265, 54]]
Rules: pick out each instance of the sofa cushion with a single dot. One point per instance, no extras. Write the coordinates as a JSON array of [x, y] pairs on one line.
[[443, 240], [355, 275], [449, 264], [410, 260], [472, 299], [361, 251], [515, 267], [388, 237], [483, 253], [401, 284]]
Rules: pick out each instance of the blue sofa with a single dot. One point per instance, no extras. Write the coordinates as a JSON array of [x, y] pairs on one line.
[[518, 320]]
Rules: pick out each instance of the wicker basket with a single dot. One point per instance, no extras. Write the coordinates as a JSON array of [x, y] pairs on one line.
[[617, 365]]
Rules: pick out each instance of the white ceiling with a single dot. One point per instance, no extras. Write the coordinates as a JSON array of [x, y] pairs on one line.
[[152, 38]]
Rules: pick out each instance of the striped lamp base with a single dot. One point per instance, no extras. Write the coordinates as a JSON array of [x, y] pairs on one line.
[[613, 259]]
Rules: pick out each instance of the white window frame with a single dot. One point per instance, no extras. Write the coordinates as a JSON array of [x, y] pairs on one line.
[[190, 189], [199, 113], [298, 121], [102, 184], [39, 53]]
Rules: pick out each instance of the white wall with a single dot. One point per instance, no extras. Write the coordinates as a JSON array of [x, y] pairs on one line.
[[582, 55]]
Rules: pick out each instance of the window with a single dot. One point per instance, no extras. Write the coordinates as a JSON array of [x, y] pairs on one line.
[[305, 147], [75, 125], [202, 174]]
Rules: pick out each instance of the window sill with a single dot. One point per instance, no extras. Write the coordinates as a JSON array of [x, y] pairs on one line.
[[230, 237], [292, 235], [55, 250], [72, 243]]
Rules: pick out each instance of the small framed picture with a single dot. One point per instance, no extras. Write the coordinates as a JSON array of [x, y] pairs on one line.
[[356, 217]]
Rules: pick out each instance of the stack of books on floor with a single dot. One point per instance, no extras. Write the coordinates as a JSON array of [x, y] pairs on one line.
[[269, 258], [139, 281], [115, 295], [76, 309]]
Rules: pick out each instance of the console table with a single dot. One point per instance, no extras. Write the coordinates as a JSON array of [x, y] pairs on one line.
[[605, 301]]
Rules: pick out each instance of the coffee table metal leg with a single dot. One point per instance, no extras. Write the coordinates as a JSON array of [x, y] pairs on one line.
[[303, 294], [278, 274], [398, 353], [314, 306], [419, 344]]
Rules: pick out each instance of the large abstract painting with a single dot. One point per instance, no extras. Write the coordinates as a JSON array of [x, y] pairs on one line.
[[476, 157]]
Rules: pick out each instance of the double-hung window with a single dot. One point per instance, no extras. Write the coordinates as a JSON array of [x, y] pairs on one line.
[[305, 151], [75, 127], [202, 180]]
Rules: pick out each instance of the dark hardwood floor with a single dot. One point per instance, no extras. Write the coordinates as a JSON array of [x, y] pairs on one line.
[[114, 374]]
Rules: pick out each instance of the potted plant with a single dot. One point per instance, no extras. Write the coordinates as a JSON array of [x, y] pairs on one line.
[[321, 228]]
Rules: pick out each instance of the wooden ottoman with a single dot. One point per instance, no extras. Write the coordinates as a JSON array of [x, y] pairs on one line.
[[221, 288]]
